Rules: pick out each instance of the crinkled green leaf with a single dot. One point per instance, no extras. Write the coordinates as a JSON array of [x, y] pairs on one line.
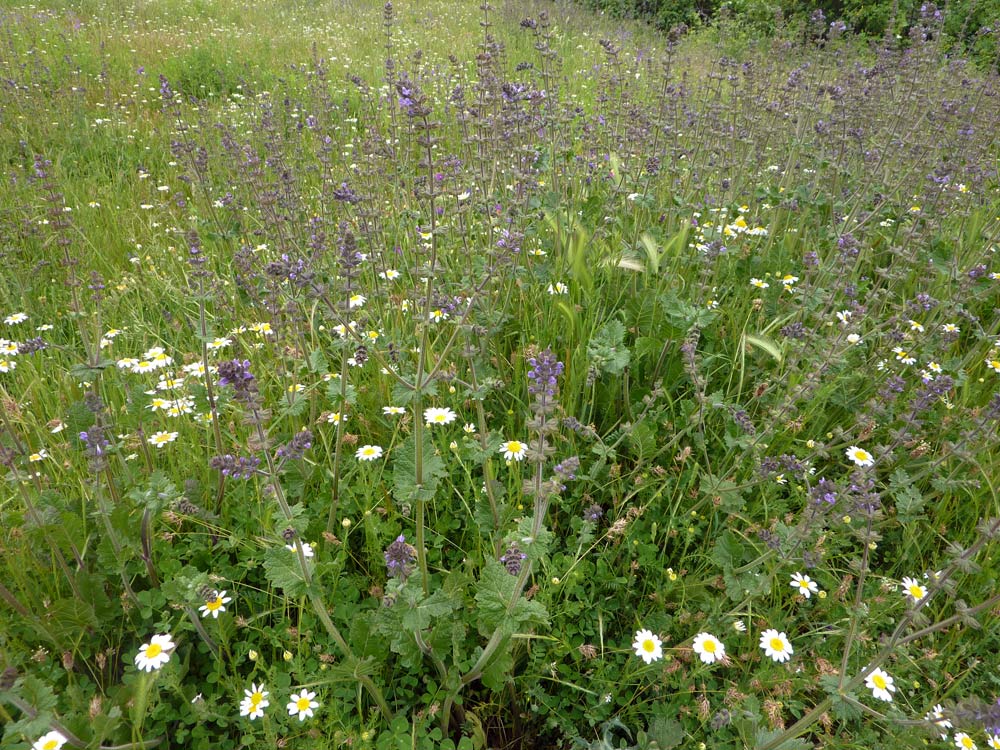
[[281, 566]]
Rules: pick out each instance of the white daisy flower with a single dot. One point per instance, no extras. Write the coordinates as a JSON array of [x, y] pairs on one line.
[[302, 704], [215, 605], [709, 648], [50, 741], [776, 645], [647, 646], [154, 654], [881, 685], [804, 585], [368, 453], [436, 415]]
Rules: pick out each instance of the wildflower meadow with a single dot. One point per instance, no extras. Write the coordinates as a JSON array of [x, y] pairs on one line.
[[437, 374]]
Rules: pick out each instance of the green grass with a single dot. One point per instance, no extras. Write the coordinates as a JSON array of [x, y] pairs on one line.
[[705, 409]]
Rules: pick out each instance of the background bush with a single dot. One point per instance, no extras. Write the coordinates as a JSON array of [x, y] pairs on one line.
[[972, 27]]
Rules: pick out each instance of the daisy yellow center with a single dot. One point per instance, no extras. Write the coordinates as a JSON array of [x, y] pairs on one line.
[[777, 644], [514, 447], [995, 364], [861, 455], [256, 698], [648, 645], [879, 681], [369, 451], [215, 604], [917, 592], [709, 646], [302, 704], [439, 417], [967, 742], [803, 584], [153, 650], [50, 745]]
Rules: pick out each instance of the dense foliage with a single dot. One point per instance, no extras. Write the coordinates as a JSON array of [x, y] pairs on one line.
[[969, 27], [435, 376]]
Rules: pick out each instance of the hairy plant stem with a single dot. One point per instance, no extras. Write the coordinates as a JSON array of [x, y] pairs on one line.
[[858, 596], [419, 380], [338, 444], [213, 406], [192, 615], [12, 601], [319, 607], [487, 465], [541, 506]]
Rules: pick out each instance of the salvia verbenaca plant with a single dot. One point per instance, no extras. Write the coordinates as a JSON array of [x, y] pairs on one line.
[[544, 382]]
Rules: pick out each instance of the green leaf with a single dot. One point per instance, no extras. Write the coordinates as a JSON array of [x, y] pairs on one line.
[[764, 736], [67, 617], [909, 504], [317, 362], [740, 586], [534, 547], [282, 569], [727, 552], [348, 397], [496, 588], [404, 471], [665, 732], [843, 709], [909, 500], [728, 494], [766, 344], [643, 439], [294, 408], [607, 351], [419, 612], [497, 672]]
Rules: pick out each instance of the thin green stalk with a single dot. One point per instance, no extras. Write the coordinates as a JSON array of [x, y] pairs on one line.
[[487, 465], [13, 603], [855, 614], [213, 407], [116, 546], [418, 460], [200, 628], [419, 381], [338, 444], [319, 607]]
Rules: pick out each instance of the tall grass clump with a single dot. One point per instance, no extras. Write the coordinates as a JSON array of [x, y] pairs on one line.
[[487, 377]]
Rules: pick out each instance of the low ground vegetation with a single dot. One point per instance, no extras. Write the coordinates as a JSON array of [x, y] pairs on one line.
[[437, 376]]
